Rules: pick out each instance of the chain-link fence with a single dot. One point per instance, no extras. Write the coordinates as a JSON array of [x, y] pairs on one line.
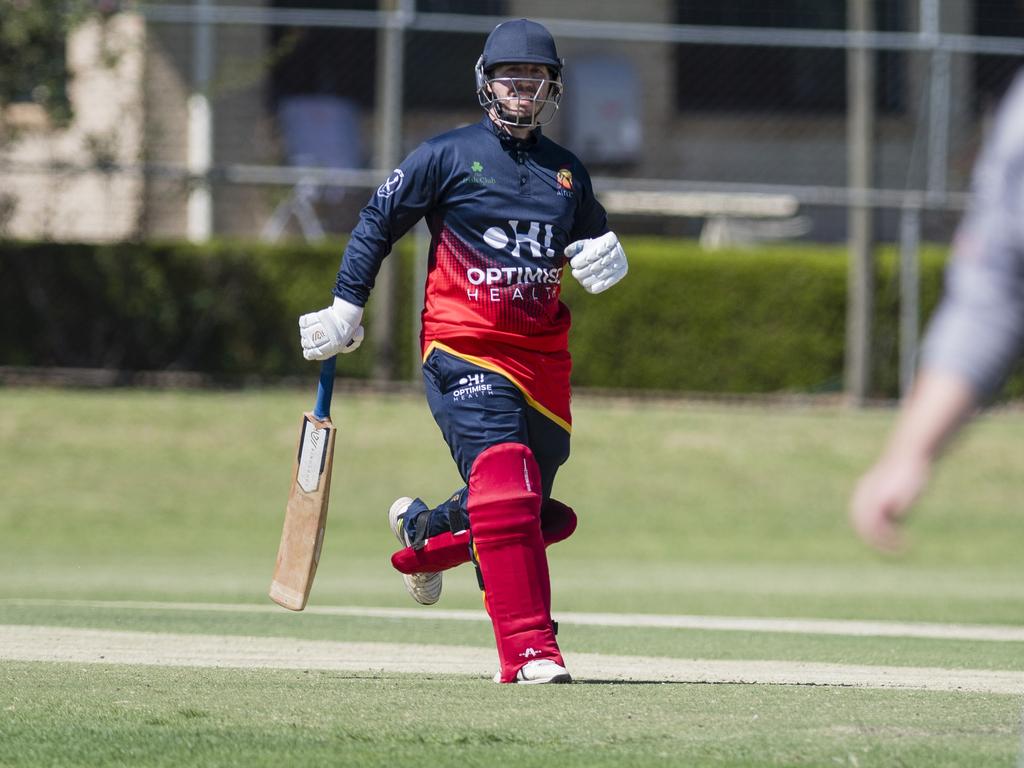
[[274, 117], [732, 120]]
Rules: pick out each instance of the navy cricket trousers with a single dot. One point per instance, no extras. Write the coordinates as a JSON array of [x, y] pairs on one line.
[[476, 409]]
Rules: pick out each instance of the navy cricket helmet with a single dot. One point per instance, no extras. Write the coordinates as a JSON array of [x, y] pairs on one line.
[[520, 41]]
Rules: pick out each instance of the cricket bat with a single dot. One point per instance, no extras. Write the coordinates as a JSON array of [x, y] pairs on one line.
[[305, 515]]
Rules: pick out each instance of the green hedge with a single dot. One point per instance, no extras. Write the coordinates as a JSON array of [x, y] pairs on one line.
[[763, 320], [226, 308], [754, 320]]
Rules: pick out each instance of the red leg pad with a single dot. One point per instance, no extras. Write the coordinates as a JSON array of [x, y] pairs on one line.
[[557, 522], [439, 553], [447, 550], [504, 517]]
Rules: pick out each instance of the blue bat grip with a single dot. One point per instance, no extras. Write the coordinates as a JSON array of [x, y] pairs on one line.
[[322, 410]]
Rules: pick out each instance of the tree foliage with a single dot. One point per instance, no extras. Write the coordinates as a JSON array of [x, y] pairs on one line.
[[33, 65]]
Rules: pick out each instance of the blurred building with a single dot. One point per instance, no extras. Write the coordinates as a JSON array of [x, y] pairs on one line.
[[69, 183], [657, 91]]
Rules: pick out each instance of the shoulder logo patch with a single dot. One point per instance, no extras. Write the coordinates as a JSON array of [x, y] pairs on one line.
[[392, 185]]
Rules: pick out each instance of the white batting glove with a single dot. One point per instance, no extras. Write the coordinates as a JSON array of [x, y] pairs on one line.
[[598, 263], [331, 330]]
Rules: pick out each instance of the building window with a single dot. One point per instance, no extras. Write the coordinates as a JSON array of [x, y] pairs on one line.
[[745, 78], [438, 71], [993, 74], [439, 65], [324, 60]]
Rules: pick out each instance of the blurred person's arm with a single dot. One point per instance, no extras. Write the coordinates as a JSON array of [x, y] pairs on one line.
[[973, 340], [939, 404]]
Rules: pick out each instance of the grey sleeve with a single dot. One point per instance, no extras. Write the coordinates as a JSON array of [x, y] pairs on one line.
[[978, 330]]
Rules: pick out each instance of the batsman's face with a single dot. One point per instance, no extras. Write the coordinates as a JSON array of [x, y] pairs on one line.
[[518, 87]]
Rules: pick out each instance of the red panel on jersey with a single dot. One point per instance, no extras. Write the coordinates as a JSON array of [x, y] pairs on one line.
[[515, 325], [513, 300]]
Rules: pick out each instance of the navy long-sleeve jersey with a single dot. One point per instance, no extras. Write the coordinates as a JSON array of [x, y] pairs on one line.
[[501, 212]]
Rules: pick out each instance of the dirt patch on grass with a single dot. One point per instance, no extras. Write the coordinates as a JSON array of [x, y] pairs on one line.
[[65, 644]]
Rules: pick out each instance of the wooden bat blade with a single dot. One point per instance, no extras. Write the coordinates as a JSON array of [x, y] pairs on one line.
[[305, 517]]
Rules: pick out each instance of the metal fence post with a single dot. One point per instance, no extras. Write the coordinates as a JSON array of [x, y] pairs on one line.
[[390, 63], [200, 128], [910, 293], [860, 127], [939, 104]]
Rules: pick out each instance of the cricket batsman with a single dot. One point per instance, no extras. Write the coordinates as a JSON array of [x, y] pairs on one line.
[[508, 210]]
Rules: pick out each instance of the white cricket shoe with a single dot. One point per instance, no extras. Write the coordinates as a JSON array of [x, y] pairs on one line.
[[424, 588], [539, 671]]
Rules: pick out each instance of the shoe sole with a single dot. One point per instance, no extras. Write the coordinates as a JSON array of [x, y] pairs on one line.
[[563, 677], [554, 679], [424, 588]]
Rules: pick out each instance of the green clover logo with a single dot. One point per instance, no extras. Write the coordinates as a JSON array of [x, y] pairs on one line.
[[476, 166]]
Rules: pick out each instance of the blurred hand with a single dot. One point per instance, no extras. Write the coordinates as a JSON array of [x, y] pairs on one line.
[[882, 500], [330, 331], [598, 263]]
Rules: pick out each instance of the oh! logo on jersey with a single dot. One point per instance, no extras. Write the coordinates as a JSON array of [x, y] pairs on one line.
[[392, 185], [512, 239]]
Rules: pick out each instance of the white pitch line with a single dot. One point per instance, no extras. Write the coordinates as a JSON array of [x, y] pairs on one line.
[[836, 627], [72, 645]]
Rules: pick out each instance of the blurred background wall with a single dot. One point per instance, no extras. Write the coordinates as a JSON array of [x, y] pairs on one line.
[[237, 97], [732, 122]]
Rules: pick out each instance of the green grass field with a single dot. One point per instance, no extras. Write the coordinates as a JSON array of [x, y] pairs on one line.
[[129, 512]]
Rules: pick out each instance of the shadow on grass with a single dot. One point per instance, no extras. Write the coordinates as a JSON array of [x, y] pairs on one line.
[[577, 681]]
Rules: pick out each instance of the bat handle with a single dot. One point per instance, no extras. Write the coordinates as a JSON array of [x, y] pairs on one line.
[[322, 410]]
